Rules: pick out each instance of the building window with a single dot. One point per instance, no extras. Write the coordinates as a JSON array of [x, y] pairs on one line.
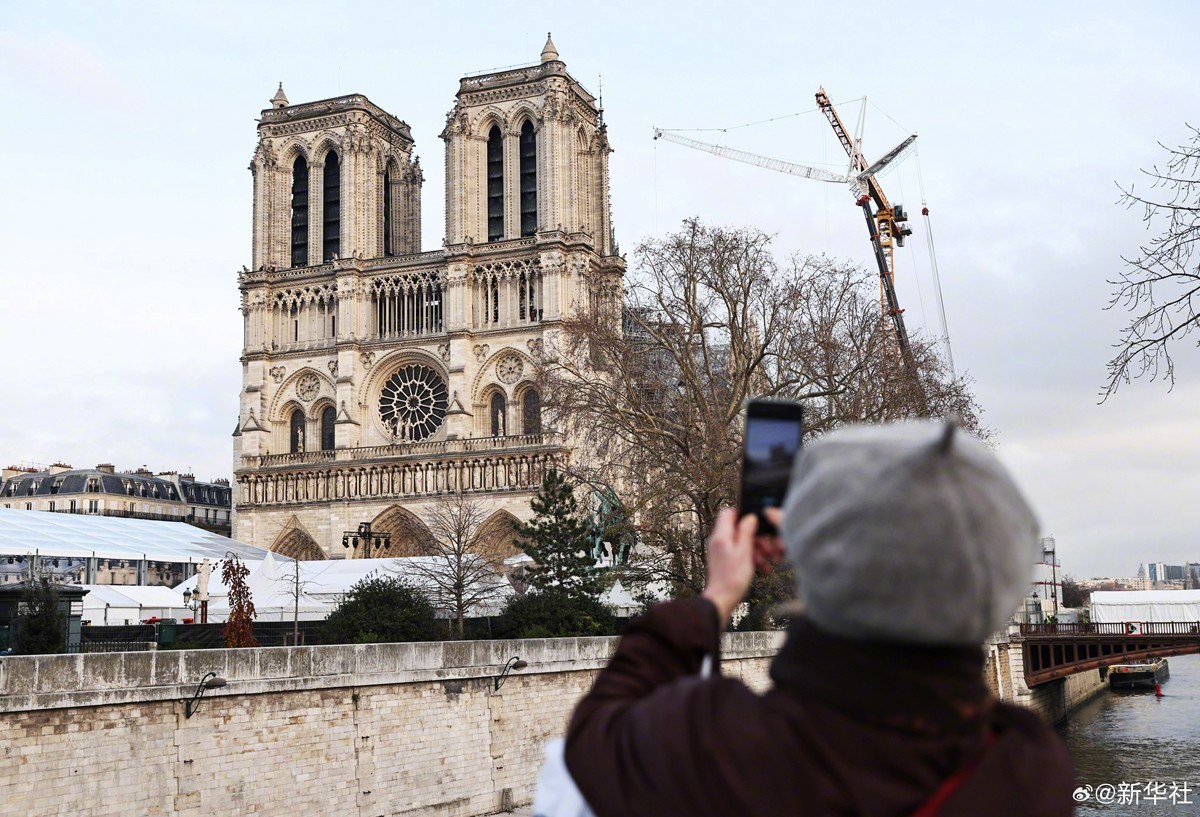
[[413, 403], [528, 151], [331, 208], [93, 485], [388, 247], [72, 506], [531, 412], [300, 213], [495, 184], [56, 485], [297, 432], [93, 505], [496, 414], [327, 436], [52, 505]]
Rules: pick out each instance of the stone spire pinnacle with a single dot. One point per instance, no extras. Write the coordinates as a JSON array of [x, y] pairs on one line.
[[549, 53], [280, 99]]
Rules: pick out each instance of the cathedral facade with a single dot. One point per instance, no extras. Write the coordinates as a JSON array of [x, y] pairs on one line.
[[376, 378]]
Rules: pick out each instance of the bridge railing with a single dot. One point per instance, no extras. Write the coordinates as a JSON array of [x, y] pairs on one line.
[[1119, 628]]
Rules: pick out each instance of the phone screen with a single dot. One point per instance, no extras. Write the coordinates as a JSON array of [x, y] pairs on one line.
[[772, 440]]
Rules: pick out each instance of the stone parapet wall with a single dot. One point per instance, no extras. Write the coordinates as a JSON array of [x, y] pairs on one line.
[[414, 729]]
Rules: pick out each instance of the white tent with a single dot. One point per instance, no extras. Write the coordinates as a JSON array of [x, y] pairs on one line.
[[1115, 606], [273, 589], [272, 583], [109, 604]]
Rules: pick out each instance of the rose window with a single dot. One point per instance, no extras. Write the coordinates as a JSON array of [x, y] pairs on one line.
[[413, 403]]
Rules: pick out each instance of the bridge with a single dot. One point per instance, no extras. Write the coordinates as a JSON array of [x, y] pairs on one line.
[[1052, 651]]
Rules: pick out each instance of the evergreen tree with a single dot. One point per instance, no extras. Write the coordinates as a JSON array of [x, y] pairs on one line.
[[559, 540], [42, 624]]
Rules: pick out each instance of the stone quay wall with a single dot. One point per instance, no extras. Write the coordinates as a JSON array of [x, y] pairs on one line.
[[370, 730]]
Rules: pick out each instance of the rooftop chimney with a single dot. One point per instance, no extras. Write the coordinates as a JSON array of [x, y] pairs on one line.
[[106, 468], [59, 467]]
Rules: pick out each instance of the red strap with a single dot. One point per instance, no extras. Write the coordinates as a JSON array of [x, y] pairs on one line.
[[933, 806]]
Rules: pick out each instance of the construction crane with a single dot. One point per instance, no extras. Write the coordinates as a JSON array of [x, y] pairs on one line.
[[886, 223]]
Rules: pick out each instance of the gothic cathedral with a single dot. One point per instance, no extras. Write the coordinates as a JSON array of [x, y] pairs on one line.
[[378, 378]]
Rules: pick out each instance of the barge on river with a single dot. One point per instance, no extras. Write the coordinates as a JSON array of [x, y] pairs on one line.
[[1143, 675]]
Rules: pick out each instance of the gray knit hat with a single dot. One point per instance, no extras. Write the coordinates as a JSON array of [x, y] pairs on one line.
[[910, 532]]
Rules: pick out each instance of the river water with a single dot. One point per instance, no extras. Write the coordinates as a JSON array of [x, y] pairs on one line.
[[1146, 749]]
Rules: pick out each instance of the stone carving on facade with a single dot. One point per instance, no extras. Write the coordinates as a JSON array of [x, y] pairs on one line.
[[367, 358], [308, 387], [509, 369], [481, 352], [277, 373], [535, 348], [332, 368], [444, 352]]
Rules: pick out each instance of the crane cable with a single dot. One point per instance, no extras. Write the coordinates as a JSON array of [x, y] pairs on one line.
[[937, 281]]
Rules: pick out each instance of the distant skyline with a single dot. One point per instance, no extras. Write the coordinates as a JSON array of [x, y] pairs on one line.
[[125, 201]]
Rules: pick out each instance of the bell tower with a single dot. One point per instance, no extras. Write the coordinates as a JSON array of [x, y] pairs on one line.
[[527, 154], [333, 179]]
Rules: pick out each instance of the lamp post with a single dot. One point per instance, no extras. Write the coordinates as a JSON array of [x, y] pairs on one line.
[[367, 539], [191, 601]]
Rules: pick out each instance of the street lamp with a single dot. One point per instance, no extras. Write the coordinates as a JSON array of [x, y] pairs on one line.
[[209, 681], [514, 663], [191, 600], [367, 539]]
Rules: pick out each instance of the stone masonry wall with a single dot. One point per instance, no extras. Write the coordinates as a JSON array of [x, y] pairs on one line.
[[1004, 670], [386, 729]]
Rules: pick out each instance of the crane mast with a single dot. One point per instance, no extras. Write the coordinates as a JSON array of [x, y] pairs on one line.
[[886, 224]]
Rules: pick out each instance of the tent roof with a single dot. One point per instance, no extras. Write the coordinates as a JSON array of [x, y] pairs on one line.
[[1145, 596], [119, 595], [26, 533]]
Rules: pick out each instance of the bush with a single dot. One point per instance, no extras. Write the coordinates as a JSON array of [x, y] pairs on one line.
[[554, 614], [378, 610]]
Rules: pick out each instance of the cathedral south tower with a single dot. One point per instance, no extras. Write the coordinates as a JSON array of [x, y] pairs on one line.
[[378, 378]]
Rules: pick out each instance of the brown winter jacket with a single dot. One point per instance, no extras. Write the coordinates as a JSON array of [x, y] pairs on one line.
[[849, 728]]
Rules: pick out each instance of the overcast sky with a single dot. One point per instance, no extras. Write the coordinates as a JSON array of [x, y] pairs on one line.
[[125, 200]]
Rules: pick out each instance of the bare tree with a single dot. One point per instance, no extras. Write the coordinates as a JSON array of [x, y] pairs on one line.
[[654, 386], [464, 562], [1160, 286]]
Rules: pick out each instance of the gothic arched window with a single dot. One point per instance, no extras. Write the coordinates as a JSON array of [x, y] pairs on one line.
[[528, 152], [531, 412], [327, 436], [495, 184], [388, 247], [496, 412], [300, 212], [331, 203], [297, 432]]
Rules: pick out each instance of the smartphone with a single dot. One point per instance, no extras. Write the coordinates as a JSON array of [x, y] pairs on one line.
[[772, 440]]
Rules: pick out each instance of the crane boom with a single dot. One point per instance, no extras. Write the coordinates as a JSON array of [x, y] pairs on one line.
[[814, 173]]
